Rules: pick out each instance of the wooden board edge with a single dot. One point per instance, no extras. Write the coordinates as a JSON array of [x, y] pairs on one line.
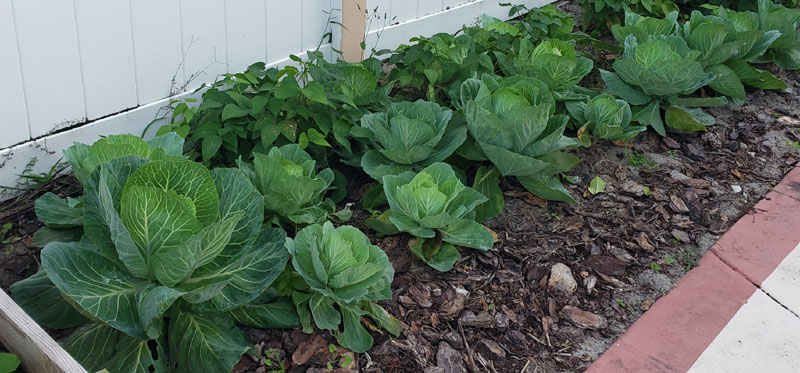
[[34, 347]]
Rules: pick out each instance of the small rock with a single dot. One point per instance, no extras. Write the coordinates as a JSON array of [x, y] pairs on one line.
[[491, 349], [584, 319], [681, 236], [644, 243], [448, 359], [561, 279], [632, 187], [736, 188], [677, 204], [481, 320]]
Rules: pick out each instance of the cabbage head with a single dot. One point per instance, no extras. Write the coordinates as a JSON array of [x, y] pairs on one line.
[[552, 61], [408, 137], [603, 117], [345, 274], [656, 73], [435, 206], [513, 124], [173, 257], [292, 188]]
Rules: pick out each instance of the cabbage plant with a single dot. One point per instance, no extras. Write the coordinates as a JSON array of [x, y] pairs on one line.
[[513, 125], [291, 187], [345, 274], [435, 206], [785, 51], [408, 137], [173, 256], [63, 217], [603, 117], [552, 61], [655, 74]]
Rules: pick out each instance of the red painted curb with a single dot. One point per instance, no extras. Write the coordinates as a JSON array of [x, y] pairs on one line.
[[679, 327], [760, 240]]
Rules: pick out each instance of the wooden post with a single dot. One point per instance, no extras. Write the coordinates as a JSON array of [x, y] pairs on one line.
[[354, 19], [35, 348]]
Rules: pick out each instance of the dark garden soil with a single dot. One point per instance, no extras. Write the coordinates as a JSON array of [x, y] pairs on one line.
[[563, 281]]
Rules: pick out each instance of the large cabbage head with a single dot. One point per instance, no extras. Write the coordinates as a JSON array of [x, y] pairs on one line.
[[164, 239], [345, 274], [408, 137], [435, 206], [513, 123]]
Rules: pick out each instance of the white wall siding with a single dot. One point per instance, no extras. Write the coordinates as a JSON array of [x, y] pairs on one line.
[[109, 79], [203, 40], [157, 48], [14, 123], [247, 31], [47, 43], [453, 15]]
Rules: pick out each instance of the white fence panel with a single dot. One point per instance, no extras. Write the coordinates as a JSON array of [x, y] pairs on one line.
[[12, 97], [157, 48], [455, 14], [284, 28], [51, 67], [106, 50], [247, 31], [203, 40]]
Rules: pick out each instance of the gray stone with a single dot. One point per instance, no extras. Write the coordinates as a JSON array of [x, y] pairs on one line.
[[561, 279]]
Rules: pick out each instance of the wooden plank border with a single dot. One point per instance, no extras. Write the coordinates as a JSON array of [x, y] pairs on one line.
[[34, 347]]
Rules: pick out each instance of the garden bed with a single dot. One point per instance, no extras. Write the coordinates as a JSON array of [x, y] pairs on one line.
[[562, 282], [667, 200]]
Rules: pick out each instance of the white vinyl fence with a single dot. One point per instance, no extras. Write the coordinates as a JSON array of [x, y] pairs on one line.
[[75, 70]]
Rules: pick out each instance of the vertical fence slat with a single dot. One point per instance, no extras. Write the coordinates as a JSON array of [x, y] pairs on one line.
[[51, 71], [245, 37], [284, 29], [203, 35], [12, 96], [314, 23], [156, 48], [106, 48]]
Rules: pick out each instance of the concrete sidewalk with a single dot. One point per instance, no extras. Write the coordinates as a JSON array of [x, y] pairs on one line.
[[737, 311]]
